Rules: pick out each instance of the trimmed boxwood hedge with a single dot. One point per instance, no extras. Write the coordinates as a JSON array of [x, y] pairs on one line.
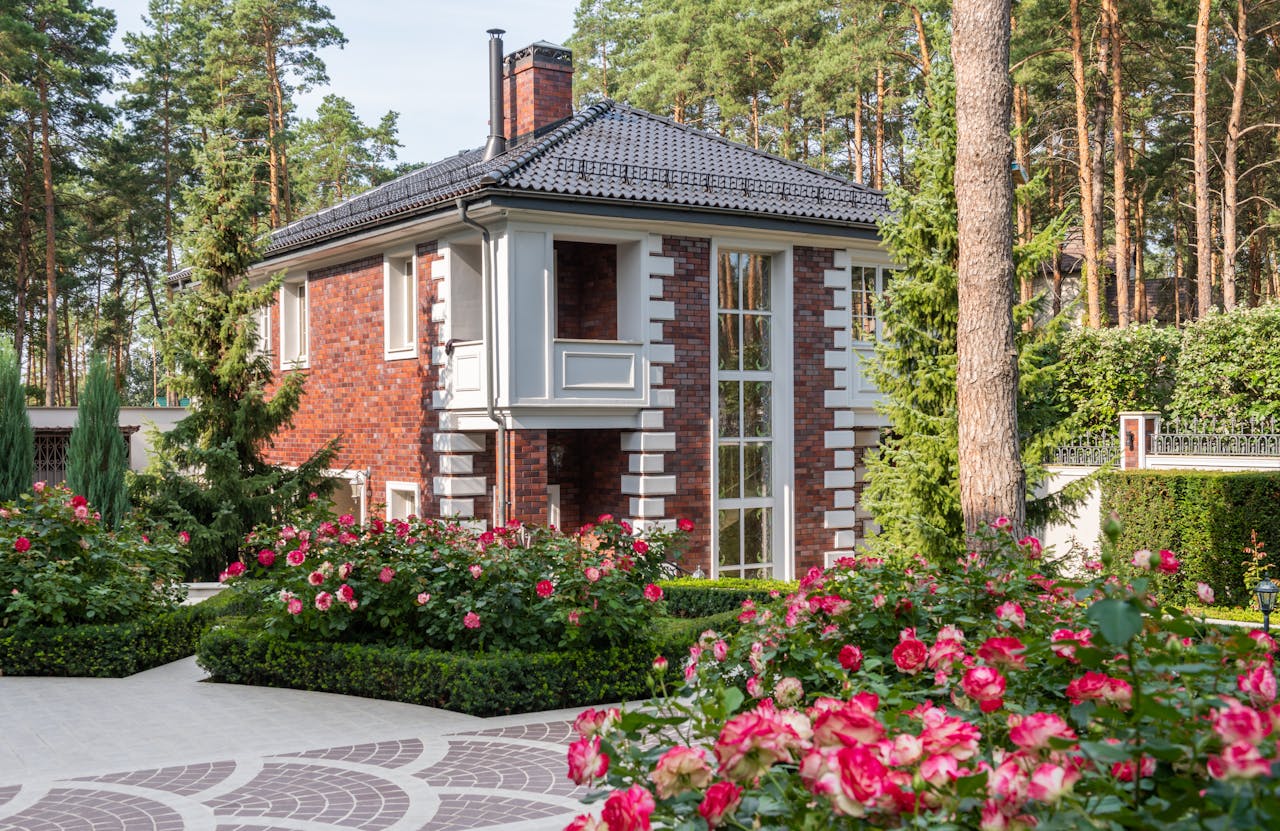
[[105, 650], [692, 597], [480, 684], [1205, 517]]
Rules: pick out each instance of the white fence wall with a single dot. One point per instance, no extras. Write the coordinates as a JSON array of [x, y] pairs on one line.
[[143, 418]]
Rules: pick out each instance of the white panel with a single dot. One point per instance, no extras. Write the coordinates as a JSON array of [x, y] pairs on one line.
[[655, 287], [835, 399], [846, 538], [840, 299], [834, 439], [841, 258], [835, 279], [835, 318], [655, 376], [644, 526], [653, 244], [662, 310], [838, 479], [835, 359], [839, 519], [662, 353], [655, 332], [840, 379], [646, 463], [845, 458], [648, 485], [845, 420], [461, 464], [458, 442], [594, 370], [648, 442], [651, 419], [648, 508], [530, 308], [458, 486], [844, 499], [841, 335], [662, 398], [662, 266], [457, 507], [468, 372], [439, 311]]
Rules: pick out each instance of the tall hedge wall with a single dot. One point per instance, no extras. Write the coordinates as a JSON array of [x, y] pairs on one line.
[[1205, 517]]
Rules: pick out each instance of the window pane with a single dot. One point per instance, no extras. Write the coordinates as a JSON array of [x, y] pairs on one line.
[[730, 480], [757, 473], [730, 410], [755, 281], [729, 281], [728, 326], [302, 319], [729, 544], [755, 342], [756, 535], [757, 408]]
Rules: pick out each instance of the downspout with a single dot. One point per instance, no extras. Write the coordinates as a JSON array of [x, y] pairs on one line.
[[488, 278]]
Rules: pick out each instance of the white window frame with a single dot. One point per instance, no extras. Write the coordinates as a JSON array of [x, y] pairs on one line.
[[782, 308], [877, 293], [404, 487], [862, 394], [295, 324], [262, 317], [398, 274]]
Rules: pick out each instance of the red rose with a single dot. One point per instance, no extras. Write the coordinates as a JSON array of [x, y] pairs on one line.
[[1088, 687], [78, 501], [266, 557], [640, 546], [586, 762], [986, 686], [685, 525], [851, 657], [722, 800], [545, 588], [1003, 652], [909, 655], [21, 544], [628, 810], [653, 592]]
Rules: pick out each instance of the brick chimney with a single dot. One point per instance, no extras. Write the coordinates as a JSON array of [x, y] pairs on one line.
[[539, 89]]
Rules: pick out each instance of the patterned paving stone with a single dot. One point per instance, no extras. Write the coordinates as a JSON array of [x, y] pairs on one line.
[[382, 754], [183, 780], [460, 812], [289, 790], [500, 765], [68, 809], [560, 732], [9, 793]]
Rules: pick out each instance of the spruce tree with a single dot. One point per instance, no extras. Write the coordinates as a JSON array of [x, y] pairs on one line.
[[17, 441], [97, 456], [210, 478], [912, 484]]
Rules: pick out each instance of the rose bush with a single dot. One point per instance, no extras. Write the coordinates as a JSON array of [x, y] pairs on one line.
[[440, 584], [59, 565], [989, 696]]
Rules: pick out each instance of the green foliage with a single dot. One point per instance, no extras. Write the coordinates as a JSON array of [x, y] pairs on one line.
[[61, 566], [689, 597], [17, 440], [210, 478], [338, 156], [492, 683], [104, 650], [912, 481], [1207, 517], [1110, 371], [1229, 365], [97, 457]]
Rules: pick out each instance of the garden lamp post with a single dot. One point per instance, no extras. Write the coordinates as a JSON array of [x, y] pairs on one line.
[[1266, 592]]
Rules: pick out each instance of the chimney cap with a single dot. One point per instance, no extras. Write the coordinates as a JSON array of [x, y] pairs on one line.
[[496, 32]]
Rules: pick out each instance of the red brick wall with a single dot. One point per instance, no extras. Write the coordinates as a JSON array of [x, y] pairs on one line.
[[379, 408], [527, 476], [538, 92], [810, 339], [690, 377], [586, 291], [590, 477]]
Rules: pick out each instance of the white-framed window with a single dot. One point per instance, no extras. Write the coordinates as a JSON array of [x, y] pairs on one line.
[[295, 335], [402, 500], [262, 322], [400, 303], [867, 292]]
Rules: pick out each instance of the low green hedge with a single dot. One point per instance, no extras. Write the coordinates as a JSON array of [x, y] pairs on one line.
[[104, 650], [691, 597], [1205, 517], [480, 684]]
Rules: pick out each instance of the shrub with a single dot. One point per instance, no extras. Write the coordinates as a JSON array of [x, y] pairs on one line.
[[1229, 365], [104, 650], [692, 597], [986, 697], [490, 683], [17, 440], [1110, 371], [1206, 516], [60, 566], [431, 583], [96, 455]]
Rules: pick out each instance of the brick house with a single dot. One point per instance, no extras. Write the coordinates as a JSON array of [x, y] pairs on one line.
[[599, 312]]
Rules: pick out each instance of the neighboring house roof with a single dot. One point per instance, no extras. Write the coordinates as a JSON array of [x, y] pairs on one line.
[[612, 152]]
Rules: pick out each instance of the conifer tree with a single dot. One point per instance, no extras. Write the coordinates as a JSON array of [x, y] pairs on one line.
[[17, 441], [211, 478], [912, 482], [96, 456]]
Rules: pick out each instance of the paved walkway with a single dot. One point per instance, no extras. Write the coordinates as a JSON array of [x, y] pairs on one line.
[[162, 751]]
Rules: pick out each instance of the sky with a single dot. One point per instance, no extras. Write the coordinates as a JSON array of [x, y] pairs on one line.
[[427, 60]]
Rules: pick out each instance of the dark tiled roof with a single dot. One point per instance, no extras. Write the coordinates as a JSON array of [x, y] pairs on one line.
[[617, 153]]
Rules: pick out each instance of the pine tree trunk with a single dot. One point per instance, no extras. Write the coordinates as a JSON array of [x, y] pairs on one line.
[[1230, 164], [50, 250], [1089, 229], [1119, 167], [1200, 145], [1178, 265], [992, 481], [858, 172], [926, 62], [1141, 314], [1098, 142], [26, 207], [1022, 153], [877, 164]]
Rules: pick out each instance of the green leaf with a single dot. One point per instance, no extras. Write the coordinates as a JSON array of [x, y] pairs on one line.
[[1117, 620]]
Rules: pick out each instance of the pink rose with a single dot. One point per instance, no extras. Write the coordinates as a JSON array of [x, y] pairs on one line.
[[909, 656], [721, 800], [1003, 652], [476, 570], [545, 588], [346, 520], [851, 657], [788, 692], [604, 518], [471, 620], [574, 617], [860, 779], [266, 558], [21, 544], [940, 770], [947, 734], [720, 649], [1259, 684], [1049, 781], [1065, 642], [423, 598], [1168, 563], [1239, 761], [1034, 731], [986, 686], [1238, 723], [235, 569], [592, 574], [184, 537], [345, 593], [653, 592], [323, 601], [591, 721], [386, 575], [640, 546], [660, 664], [586, 762], [1205, 592], [1033, 547], [39, 487], [295, 557], [81, 512], [353, 604], [586, 822], [839, 723], [681, 769], [685, 525], [751, 743], [344, 570], [315, 578], [295, 606], [628, 810]]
